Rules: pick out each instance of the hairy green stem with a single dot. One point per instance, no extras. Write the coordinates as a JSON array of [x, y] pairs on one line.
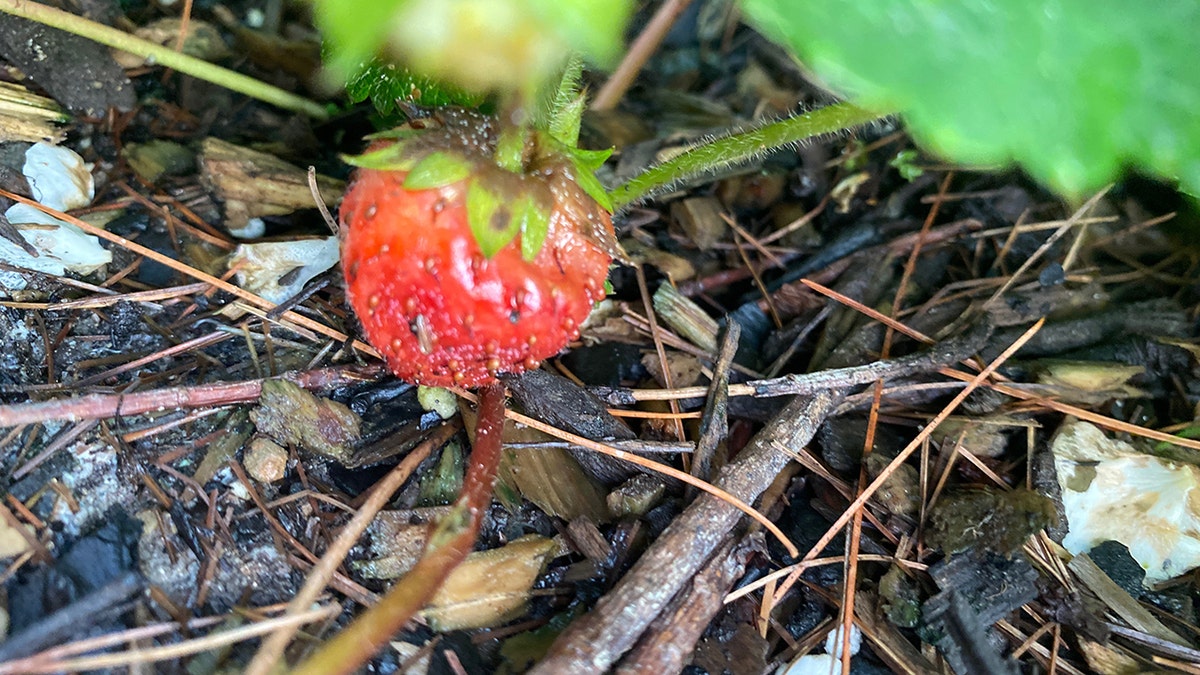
[[741, 147], [164, 56], [449, 543]]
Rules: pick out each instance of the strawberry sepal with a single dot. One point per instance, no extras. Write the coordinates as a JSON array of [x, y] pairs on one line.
[[391, 157], [492, 225], [534, 219], [586, 179], [437, 169]]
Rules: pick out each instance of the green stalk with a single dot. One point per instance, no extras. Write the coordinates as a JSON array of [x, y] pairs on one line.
[[741, 147], [451, 540], [510, 146], [163, 56]]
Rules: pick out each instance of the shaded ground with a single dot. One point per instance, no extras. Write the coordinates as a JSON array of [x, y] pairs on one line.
[[195, 450]]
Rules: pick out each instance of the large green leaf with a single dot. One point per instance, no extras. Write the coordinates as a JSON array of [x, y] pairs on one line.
[[479, 45], [353, 32], [1074, 90]]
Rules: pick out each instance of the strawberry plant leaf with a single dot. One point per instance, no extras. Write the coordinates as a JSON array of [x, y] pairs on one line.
[[353, 32], [386, 84], [435, 170], [564, 114], [480, 45], [534, 222], [905, 162], [491, 222], [1072, 90]]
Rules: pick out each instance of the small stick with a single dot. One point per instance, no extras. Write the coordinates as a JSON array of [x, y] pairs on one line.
[[163, 56], [596, 640], [639, 52], [101, 406]]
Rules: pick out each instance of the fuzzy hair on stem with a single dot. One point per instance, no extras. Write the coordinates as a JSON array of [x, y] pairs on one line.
[[712, 154]]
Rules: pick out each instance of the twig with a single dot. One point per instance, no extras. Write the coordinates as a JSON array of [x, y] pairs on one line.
[[808, 383], [714, 425], [69, 619], [670, 642], [596, 640], [639, 52], [35, 664], [101, 406], [163, 56]]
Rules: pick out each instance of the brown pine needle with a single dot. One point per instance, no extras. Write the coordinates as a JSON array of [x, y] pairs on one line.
[[148, 655]]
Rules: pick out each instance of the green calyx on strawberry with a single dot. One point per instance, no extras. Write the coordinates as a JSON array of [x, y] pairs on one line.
[[459, 268]]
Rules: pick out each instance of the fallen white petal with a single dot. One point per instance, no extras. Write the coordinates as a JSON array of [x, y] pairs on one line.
[[58, 177]]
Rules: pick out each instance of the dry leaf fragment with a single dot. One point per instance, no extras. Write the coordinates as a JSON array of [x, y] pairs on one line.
[[490, 587]]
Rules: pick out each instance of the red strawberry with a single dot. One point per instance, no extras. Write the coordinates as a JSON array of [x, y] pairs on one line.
[[459, 269]]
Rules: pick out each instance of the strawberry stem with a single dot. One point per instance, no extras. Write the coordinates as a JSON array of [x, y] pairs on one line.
[[449, 543], [738, 148], [514, 132]]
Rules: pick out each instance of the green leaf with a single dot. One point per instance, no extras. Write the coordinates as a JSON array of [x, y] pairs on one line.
[[386, 84], [1072, 90], [586, 179], [905, 162], [353, 32], [479, 45], [435, 170], [534, 222], [490, 220]]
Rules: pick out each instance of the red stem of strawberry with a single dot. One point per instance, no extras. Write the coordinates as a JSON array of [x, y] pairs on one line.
[[451, 540]]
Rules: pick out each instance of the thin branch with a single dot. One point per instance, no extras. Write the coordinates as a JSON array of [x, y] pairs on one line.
[[102, 406], [596, 640], [639, 52]]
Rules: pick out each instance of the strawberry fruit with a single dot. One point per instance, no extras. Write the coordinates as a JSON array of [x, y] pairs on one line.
[[459, 269]]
